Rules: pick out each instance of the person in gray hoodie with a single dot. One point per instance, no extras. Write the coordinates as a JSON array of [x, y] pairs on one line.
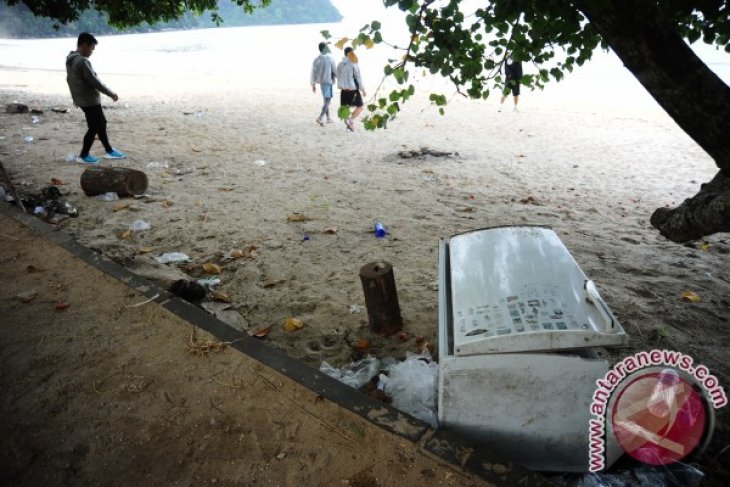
[[323, 73], [85, 88]]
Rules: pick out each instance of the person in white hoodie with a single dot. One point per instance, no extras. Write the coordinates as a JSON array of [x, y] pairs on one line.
[[85, 88], [350, 84], [323, 73]]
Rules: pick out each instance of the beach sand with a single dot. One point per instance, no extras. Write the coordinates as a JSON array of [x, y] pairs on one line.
[[229, 164]]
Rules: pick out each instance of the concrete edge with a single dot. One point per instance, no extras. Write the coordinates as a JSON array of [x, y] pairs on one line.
[[445, 445]]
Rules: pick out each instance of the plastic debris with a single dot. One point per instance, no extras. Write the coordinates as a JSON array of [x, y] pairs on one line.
[[28, 138], [158, 165], [260, 162], [108, 197], [50, 206], [172, 257], [139, 226], [380, 231], [356, 308], [36, 119], [412, 384], [209, 282], [356, 375]]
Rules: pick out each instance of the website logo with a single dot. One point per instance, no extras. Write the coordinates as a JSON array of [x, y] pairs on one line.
[[659, 406]]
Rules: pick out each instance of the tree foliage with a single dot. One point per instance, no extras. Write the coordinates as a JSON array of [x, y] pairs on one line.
[[470, 47], [47, 19]]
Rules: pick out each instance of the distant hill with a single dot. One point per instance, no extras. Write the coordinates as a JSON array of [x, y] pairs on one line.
[[18, 21]]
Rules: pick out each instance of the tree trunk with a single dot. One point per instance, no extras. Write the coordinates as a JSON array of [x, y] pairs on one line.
[[695, 97], [706, 212], [125, 182]]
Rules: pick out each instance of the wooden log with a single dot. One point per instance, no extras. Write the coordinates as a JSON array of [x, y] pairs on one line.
[[381, 298], [121, 180]]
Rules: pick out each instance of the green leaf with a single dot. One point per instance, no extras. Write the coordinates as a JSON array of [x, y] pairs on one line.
[[343, 112]]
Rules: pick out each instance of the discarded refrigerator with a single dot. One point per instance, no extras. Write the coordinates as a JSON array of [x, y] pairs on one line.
[[518, 325]]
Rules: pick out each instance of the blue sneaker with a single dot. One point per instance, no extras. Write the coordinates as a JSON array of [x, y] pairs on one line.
[[115, 154], [88, 159]]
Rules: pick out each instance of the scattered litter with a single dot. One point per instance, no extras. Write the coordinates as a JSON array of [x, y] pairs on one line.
[[108, 196], [261, 332], [234, 254], [58, 182], [137, 305], [168, 257], [330, 230], [423, 153], [293, 324], [49, 206], [413, 386], [28, 138], [188, 290], [306, 237], [209, 282], [380, 231], [298, 217], [212, 268], [361, 345], [121, 205], [61, 305], [260, 162], [139, 226], [221, 297], [690, 297], [158, 165], [70, 157], [356, 375], [36, 119], [355, 308], [26, 297]]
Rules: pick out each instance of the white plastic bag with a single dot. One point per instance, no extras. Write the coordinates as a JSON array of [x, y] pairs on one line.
[[108, 196], [139, 226], [356, 375], [172, 257], [413, 385]]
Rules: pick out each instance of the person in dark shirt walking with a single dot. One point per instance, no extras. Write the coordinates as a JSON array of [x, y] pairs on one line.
[[85, 89], [513, 75]]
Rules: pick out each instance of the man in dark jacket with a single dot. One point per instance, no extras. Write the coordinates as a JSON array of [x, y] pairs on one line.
[[513, 75], [85, 89]]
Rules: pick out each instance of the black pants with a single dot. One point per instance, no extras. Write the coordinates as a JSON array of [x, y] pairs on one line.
[[96, 122]]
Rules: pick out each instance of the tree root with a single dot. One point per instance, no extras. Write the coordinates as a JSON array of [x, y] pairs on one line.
[[705, 213]]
